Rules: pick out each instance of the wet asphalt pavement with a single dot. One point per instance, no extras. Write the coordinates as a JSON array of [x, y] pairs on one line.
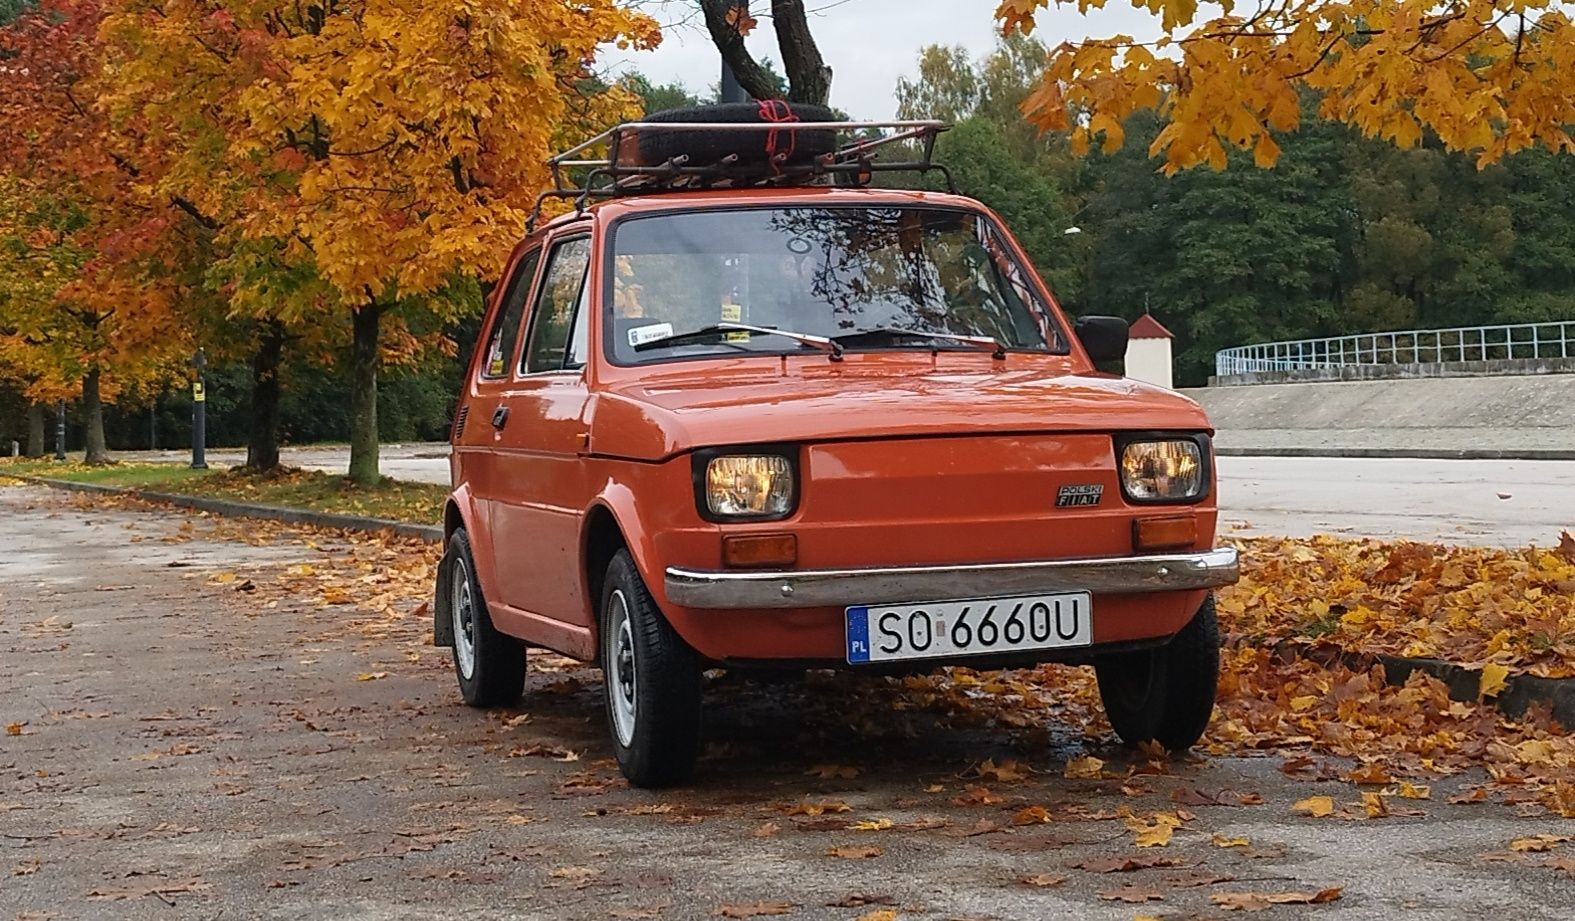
[[191, 749]]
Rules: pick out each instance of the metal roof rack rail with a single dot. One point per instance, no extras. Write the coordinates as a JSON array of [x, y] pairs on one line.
[[850, 164]]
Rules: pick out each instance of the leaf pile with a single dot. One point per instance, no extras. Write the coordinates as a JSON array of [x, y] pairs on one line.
[[1469, 605]]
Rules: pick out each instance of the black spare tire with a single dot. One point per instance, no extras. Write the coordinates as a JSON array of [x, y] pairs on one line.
[[753, 147]]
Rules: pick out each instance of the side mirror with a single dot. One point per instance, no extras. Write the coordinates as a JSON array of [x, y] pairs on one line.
[[1105, 338]]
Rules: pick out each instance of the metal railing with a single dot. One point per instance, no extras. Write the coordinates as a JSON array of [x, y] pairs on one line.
[[1526, 341]]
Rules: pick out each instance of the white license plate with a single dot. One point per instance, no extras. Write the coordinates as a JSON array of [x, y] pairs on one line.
[[942, 629]]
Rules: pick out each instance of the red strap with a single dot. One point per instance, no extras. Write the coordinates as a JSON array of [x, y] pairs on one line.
[[778, 111]]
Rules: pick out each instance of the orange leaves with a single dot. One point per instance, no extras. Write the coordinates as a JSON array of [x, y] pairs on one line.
[[1389, 68], [740, 19], [1462, 604]]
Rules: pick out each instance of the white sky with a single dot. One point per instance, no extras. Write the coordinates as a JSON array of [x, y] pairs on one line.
[[867, 43]]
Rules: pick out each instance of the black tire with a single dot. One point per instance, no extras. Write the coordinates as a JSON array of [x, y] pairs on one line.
[[752, 147], [1166, 694], [656, 678], [496, 674]]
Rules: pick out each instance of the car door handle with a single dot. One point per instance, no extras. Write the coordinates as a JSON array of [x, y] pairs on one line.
[[500, 417]]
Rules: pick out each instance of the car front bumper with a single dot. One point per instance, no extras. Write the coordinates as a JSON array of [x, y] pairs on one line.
[[819, 588]]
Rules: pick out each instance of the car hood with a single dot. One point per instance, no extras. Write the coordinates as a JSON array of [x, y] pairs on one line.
[[659, 417]]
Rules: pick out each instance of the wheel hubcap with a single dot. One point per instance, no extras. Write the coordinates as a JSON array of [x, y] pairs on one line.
[[462, 604], [620, 669]]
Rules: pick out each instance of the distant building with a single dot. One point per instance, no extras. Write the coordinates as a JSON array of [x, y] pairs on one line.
[[1148, 351]]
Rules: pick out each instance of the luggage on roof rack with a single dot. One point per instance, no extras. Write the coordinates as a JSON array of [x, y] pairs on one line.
[[741, 145]]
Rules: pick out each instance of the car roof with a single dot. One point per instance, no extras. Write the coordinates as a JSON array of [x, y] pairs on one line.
[[615, 208]]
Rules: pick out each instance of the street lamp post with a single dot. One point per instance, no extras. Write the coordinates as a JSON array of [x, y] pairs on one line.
[[730, 90], [199, 414]]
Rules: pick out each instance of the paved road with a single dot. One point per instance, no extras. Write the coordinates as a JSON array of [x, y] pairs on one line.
[[1508, 503], [184, 735]]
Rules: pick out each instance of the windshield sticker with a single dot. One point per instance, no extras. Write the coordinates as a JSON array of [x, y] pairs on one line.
[[643, 334]]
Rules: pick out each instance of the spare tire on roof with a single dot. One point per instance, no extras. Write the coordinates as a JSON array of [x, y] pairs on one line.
[[754, 147]]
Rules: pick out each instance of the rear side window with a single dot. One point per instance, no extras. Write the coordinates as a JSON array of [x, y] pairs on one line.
[[557, 304], [506, 328]]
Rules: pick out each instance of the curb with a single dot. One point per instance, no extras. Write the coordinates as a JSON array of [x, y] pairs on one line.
[[1520, 691], [1540, 454], [432, 533]]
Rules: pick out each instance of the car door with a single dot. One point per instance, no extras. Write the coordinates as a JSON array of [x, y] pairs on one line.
[[541, 437], [476, 443]]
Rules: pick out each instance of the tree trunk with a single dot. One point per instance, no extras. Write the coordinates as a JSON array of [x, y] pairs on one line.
[[363, 396], [35, 429], [809, 79], [93, 416], [262, 443]]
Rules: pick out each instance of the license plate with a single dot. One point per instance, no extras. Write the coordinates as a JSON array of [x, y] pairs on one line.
[[943, 629]]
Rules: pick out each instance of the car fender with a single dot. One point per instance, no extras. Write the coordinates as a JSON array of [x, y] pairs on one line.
[[618, 500], [458, 512]]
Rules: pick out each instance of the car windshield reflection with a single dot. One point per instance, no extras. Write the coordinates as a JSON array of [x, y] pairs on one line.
[[833, 272]]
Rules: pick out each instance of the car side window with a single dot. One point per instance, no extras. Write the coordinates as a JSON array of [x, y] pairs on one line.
[[506, 328], [553, 317]]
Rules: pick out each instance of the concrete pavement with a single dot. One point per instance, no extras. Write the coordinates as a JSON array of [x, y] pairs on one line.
[[194, 749]]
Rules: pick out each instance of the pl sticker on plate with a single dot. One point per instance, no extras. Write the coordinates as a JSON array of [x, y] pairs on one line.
[[640, 335]]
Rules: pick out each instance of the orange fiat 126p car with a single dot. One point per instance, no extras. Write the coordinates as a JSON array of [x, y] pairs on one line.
[[740, 407]]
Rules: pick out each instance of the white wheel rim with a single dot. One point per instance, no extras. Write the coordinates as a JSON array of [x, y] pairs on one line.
[[462, 604], [621, 689]]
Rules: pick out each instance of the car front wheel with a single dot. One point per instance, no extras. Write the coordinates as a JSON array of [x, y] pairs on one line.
[[652, 681], [1165, 695]]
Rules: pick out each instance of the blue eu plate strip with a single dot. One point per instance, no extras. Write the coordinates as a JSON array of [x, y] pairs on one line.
[[858, 635]]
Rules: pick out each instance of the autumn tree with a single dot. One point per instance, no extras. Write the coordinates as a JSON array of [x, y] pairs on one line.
[[390, 148], [1485, 76], [85, 293]]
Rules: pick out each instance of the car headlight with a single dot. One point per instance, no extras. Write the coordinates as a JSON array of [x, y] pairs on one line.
[[1169, 470], [749, 486]]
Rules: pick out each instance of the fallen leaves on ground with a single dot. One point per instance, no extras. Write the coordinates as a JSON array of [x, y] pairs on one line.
[[1537, 843], [754, 909], [855, 851], [1124, 864], [1259, 901], [156, 887], [1510, 609]]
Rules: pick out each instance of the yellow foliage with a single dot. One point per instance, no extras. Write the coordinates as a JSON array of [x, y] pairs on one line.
[[1486, 76], [390, 144]]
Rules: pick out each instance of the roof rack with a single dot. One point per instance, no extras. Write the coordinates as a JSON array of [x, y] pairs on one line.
[[852, 163]]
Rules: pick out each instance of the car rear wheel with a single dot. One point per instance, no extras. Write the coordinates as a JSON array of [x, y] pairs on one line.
[[1165, 695], [652, 681], [490, 665]]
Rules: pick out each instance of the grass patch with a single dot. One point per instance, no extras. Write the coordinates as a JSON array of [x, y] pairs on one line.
[[420, 503]]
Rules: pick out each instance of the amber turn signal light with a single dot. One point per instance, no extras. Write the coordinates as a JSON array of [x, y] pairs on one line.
[[1173, 532], [745, 551]]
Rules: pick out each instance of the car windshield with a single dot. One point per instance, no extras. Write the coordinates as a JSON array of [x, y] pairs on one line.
[[862, 275]]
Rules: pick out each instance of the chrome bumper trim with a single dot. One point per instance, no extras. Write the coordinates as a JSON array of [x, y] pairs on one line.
[[816, 588]]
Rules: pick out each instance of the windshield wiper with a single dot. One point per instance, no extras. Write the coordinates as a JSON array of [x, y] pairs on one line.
[[829, 346], [989, 343]]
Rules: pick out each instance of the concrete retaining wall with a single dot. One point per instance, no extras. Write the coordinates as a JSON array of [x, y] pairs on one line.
[[1518, 416]]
